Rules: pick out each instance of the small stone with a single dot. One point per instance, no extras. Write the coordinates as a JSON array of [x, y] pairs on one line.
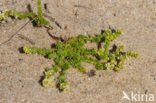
[[20, 60], [91, 73]]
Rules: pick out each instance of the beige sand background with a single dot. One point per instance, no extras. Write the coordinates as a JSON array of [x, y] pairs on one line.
[[20, 73]]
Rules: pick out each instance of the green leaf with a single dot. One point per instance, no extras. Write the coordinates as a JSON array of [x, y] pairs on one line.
[[40, 19]]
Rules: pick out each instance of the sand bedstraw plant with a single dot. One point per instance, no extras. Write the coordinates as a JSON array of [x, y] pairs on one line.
[[38, 18], [73, 52]]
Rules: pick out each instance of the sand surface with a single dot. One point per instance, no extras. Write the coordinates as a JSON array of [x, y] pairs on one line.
[[20, 73]]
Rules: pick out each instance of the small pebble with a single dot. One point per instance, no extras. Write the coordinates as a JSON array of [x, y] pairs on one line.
[[20, 60], [91, 73]]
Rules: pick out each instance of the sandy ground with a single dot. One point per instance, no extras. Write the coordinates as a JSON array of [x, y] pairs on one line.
[[20, 73]]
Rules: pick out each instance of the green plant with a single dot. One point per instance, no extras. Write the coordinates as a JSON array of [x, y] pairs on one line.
[[73, 52], [39, 20]]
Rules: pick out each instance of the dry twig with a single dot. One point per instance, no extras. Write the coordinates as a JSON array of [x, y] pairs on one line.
[[16, 32]]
